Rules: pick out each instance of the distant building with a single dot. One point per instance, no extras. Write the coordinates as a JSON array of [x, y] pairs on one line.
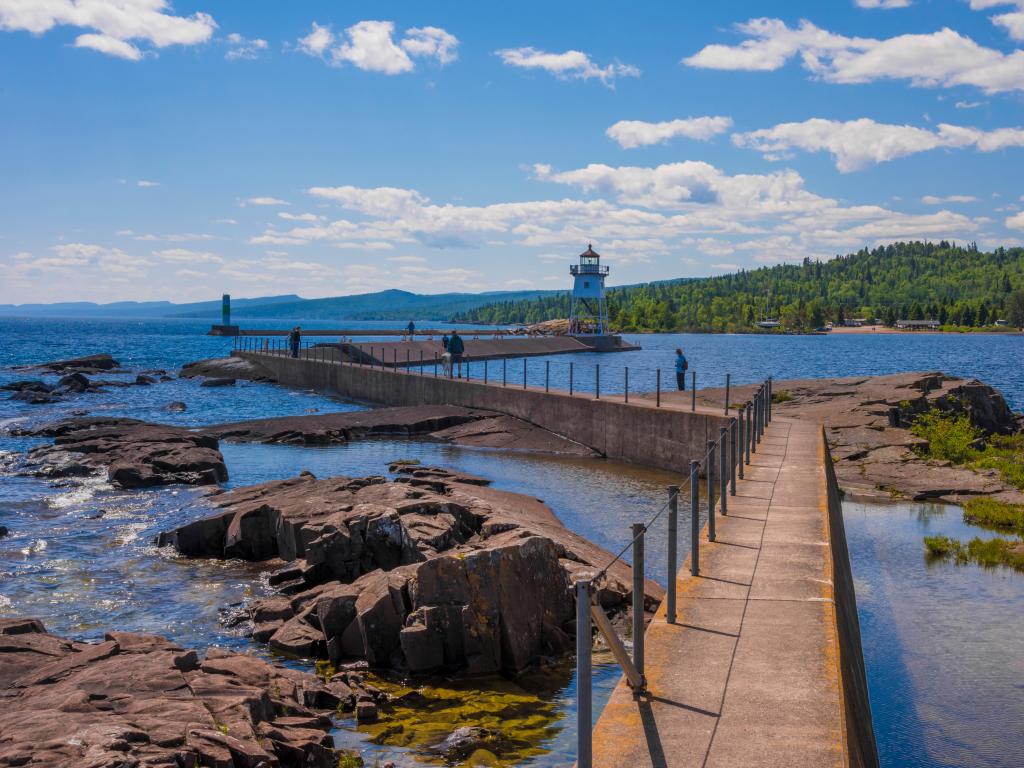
[[1002, 323], [918, 325], [769, 324]]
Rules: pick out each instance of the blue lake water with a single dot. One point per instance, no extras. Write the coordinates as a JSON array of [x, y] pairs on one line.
[[942, 643]]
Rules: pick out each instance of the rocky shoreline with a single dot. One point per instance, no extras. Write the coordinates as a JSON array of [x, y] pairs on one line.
[[434, 572], [867, 422], [141, 700]]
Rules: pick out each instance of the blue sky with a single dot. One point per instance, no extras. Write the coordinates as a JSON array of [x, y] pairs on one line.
[[177, 151]]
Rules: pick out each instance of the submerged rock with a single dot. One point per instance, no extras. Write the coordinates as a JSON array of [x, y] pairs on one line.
[[87, 364], [133, 454], [218, 383], [431, 572], [141, 700], [225, 368], [447, 423], [176, 407], [4, 530]]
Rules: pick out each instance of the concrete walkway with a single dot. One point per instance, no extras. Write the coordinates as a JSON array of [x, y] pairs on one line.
[[749, 674]]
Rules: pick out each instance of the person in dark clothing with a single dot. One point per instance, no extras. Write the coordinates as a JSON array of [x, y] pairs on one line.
[[295, 340], [411, 328], [444, 342], [681, 365], [456, 347]]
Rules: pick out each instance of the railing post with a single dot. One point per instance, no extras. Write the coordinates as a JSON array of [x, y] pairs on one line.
[[597, 381], [524, 373], [638, 598], [485, 370], [673, 536], [584, 692], [742, 423], [627, 383], [728, 377], [711, 489], [657, 402], [769, 398], [422, 372], [547, 375], [570, 378], [754, 416], [723, 470], [504, 371], [694, 518], [733, 441], [693, 390], [435, 365], [748, 430]]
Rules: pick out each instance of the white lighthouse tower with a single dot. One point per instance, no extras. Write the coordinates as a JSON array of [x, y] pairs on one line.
[[588, 312]]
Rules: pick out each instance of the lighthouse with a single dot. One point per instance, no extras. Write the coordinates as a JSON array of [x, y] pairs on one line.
[[588, 312]]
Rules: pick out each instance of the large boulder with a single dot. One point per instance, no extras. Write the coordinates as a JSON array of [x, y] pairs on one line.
[[434, 572], [132, 454], [142, 700], [87, 364]]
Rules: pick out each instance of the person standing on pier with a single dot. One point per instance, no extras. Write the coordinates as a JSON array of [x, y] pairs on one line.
[[456, 347], [681, 365], [295, 340], [411, 328]]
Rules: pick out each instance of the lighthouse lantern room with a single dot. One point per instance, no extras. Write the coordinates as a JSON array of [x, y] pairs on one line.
[[588, 312]]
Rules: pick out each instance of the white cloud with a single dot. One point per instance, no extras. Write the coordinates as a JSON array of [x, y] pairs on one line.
[[225, 221], [266, 201], [727, 267], [1012, 22], [371, 46], [939, 59], [885, 5], [636, 133], [243, 48], [380, 201], [567, 65], [114, 23], [1016, 221], [855, 144], [406, 259], [967, 104], [298, 216], [933, 200], [145, 183], [186, 256]]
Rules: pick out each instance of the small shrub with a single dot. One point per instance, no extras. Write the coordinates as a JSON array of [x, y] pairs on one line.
[[782, 396], [941, 546], [988, 553], [950, 438], [350, 760]]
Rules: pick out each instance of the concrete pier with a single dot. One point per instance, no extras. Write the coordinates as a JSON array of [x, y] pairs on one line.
[[763, 666]]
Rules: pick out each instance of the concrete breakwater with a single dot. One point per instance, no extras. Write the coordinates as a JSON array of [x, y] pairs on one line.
[[661, 438]]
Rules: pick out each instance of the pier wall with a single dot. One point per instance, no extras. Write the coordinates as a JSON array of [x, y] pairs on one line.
[[860, 734], [639, 433]]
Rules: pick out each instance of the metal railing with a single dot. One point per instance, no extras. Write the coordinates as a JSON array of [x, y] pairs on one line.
[[723, 460], [599, 380]]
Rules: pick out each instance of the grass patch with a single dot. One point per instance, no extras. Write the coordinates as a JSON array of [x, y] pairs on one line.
[[996, 515], [988, 553], [782, 396], [955, 439]]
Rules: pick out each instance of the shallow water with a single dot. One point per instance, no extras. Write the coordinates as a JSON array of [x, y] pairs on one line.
[[942, 642]]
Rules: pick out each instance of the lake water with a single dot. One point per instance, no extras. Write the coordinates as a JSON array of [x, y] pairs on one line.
[[942, 643]]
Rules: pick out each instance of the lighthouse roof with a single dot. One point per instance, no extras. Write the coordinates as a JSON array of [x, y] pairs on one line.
[[590, 253]]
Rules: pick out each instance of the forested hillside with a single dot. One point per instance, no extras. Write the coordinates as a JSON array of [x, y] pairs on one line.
[[955, 285]]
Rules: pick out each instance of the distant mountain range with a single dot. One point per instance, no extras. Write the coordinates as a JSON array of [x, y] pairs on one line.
[[383, 305]]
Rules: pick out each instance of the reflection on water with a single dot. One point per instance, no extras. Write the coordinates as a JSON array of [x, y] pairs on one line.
[[942, 643]]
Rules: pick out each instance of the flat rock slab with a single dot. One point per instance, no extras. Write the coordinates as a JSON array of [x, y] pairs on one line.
[[132, 454], [142, 700], [868, 419], [447, 423]]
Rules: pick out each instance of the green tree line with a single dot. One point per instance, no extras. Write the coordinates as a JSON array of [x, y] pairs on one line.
[[955, 285]]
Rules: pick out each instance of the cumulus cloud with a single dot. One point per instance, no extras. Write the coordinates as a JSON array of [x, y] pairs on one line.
[[856, 144], [939, 59], [186, 256], [636, 133], [1016, 221], [146, 183], [568, 65], [115, 24], [243, 48], [371, 46], [1012, 21], [933, 200], [266, 201], [298, 216]]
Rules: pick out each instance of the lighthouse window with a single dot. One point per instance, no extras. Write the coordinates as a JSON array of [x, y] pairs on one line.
[[586, 283]]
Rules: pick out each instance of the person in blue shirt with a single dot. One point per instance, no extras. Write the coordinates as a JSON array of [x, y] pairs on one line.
[[681, 365], [456, 347], [411, 328]]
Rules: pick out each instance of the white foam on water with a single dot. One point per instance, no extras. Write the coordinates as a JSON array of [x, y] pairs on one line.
[[81, 493]]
